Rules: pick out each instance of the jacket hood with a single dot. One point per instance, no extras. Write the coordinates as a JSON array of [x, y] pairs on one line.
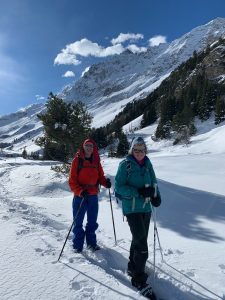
[[95, 154]]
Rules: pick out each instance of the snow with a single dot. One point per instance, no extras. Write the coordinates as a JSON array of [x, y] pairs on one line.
[[36, 214], [21, 127]]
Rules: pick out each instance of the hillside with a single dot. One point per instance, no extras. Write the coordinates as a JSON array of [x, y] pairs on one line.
[[20, 129], [195, 90]]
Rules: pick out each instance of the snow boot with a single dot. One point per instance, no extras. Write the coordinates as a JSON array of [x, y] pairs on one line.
[[93, 248], [144, 289], [76, 250], [148, 293]]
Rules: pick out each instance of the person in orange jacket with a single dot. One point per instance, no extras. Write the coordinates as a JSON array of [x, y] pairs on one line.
[[86, 174]]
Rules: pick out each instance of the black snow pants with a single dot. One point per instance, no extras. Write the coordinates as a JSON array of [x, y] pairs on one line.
[[139, 226]]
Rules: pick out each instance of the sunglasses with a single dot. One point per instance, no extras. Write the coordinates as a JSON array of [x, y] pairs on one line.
[[139, 150]]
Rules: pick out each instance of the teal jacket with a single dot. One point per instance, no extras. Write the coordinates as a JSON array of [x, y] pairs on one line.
[[131, 176]]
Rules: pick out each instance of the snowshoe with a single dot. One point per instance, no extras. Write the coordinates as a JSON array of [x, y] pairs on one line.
[[144, 289], [148, 293]]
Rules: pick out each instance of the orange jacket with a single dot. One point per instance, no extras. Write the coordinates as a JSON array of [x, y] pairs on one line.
[[89, 176]]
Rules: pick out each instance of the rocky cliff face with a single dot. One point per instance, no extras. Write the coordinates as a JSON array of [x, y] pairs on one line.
[[214, 63]]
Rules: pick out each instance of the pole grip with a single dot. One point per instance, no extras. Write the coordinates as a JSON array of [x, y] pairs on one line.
[[155, 186]]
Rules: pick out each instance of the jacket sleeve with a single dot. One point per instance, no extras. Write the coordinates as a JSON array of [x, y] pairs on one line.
[[73, 181], [121, 186], [101, 176]]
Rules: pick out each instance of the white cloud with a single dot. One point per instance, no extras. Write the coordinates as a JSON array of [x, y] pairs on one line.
[[156, 40], [135, 49], [85, 48], [68, 74], [112, 50], [65, 58], [39, 97], [123, 37], [85, 71]]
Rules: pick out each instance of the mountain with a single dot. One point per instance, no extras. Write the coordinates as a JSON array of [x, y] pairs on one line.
[[106, 87], [18, 129], [196, 89]]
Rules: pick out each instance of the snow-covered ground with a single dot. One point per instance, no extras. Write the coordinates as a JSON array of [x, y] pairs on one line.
[[36, 214]]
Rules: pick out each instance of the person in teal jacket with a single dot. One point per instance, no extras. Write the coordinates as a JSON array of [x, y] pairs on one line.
[[136, 185]]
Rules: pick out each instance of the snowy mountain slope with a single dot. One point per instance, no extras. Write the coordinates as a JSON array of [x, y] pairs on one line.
[[129, 76], [36, 214], [21, 127], [107, 87]]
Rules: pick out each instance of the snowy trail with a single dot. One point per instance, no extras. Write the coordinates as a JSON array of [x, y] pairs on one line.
[[36, 227], [39, 238]]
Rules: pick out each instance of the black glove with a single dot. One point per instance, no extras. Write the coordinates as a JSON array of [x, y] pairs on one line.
[[156, 201], [84, 194], [146, 192], [149, 191], [108, 183]]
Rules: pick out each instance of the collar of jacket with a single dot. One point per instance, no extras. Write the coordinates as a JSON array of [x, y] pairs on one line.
[[132, 159]]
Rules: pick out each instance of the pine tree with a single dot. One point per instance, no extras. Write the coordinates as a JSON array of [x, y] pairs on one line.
[[149, 116], [24, 153], [66, 125], [220, 110], [123, 146], [99, 136]]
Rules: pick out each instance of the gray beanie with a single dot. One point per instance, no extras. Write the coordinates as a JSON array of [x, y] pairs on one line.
[[137, 141]]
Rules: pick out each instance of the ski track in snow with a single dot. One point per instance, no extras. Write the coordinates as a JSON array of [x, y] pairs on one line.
[[35, 274]]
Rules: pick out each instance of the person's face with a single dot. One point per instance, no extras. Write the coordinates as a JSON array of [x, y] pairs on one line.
[[88, 149], [139, 152]]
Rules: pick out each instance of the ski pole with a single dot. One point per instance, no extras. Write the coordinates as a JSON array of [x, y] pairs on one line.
[[154, 216], [112, 216], [73, 224], [157, 233], [65, 241], [154, 221], [160, 247]]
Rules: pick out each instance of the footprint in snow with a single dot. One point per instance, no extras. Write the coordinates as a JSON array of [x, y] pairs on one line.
[[43, 252], [190, 274], [84, 290], [75, 286], [222, 267], [38, 249], [24, 230], [170, 251]]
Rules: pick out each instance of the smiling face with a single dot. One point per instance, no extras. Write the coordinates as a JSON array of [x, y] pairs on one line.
[[88, 149], [139, 151]]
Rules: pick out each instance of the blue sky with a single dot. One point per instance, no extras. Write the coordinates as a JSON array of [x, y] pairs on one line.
[[42, 42]]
